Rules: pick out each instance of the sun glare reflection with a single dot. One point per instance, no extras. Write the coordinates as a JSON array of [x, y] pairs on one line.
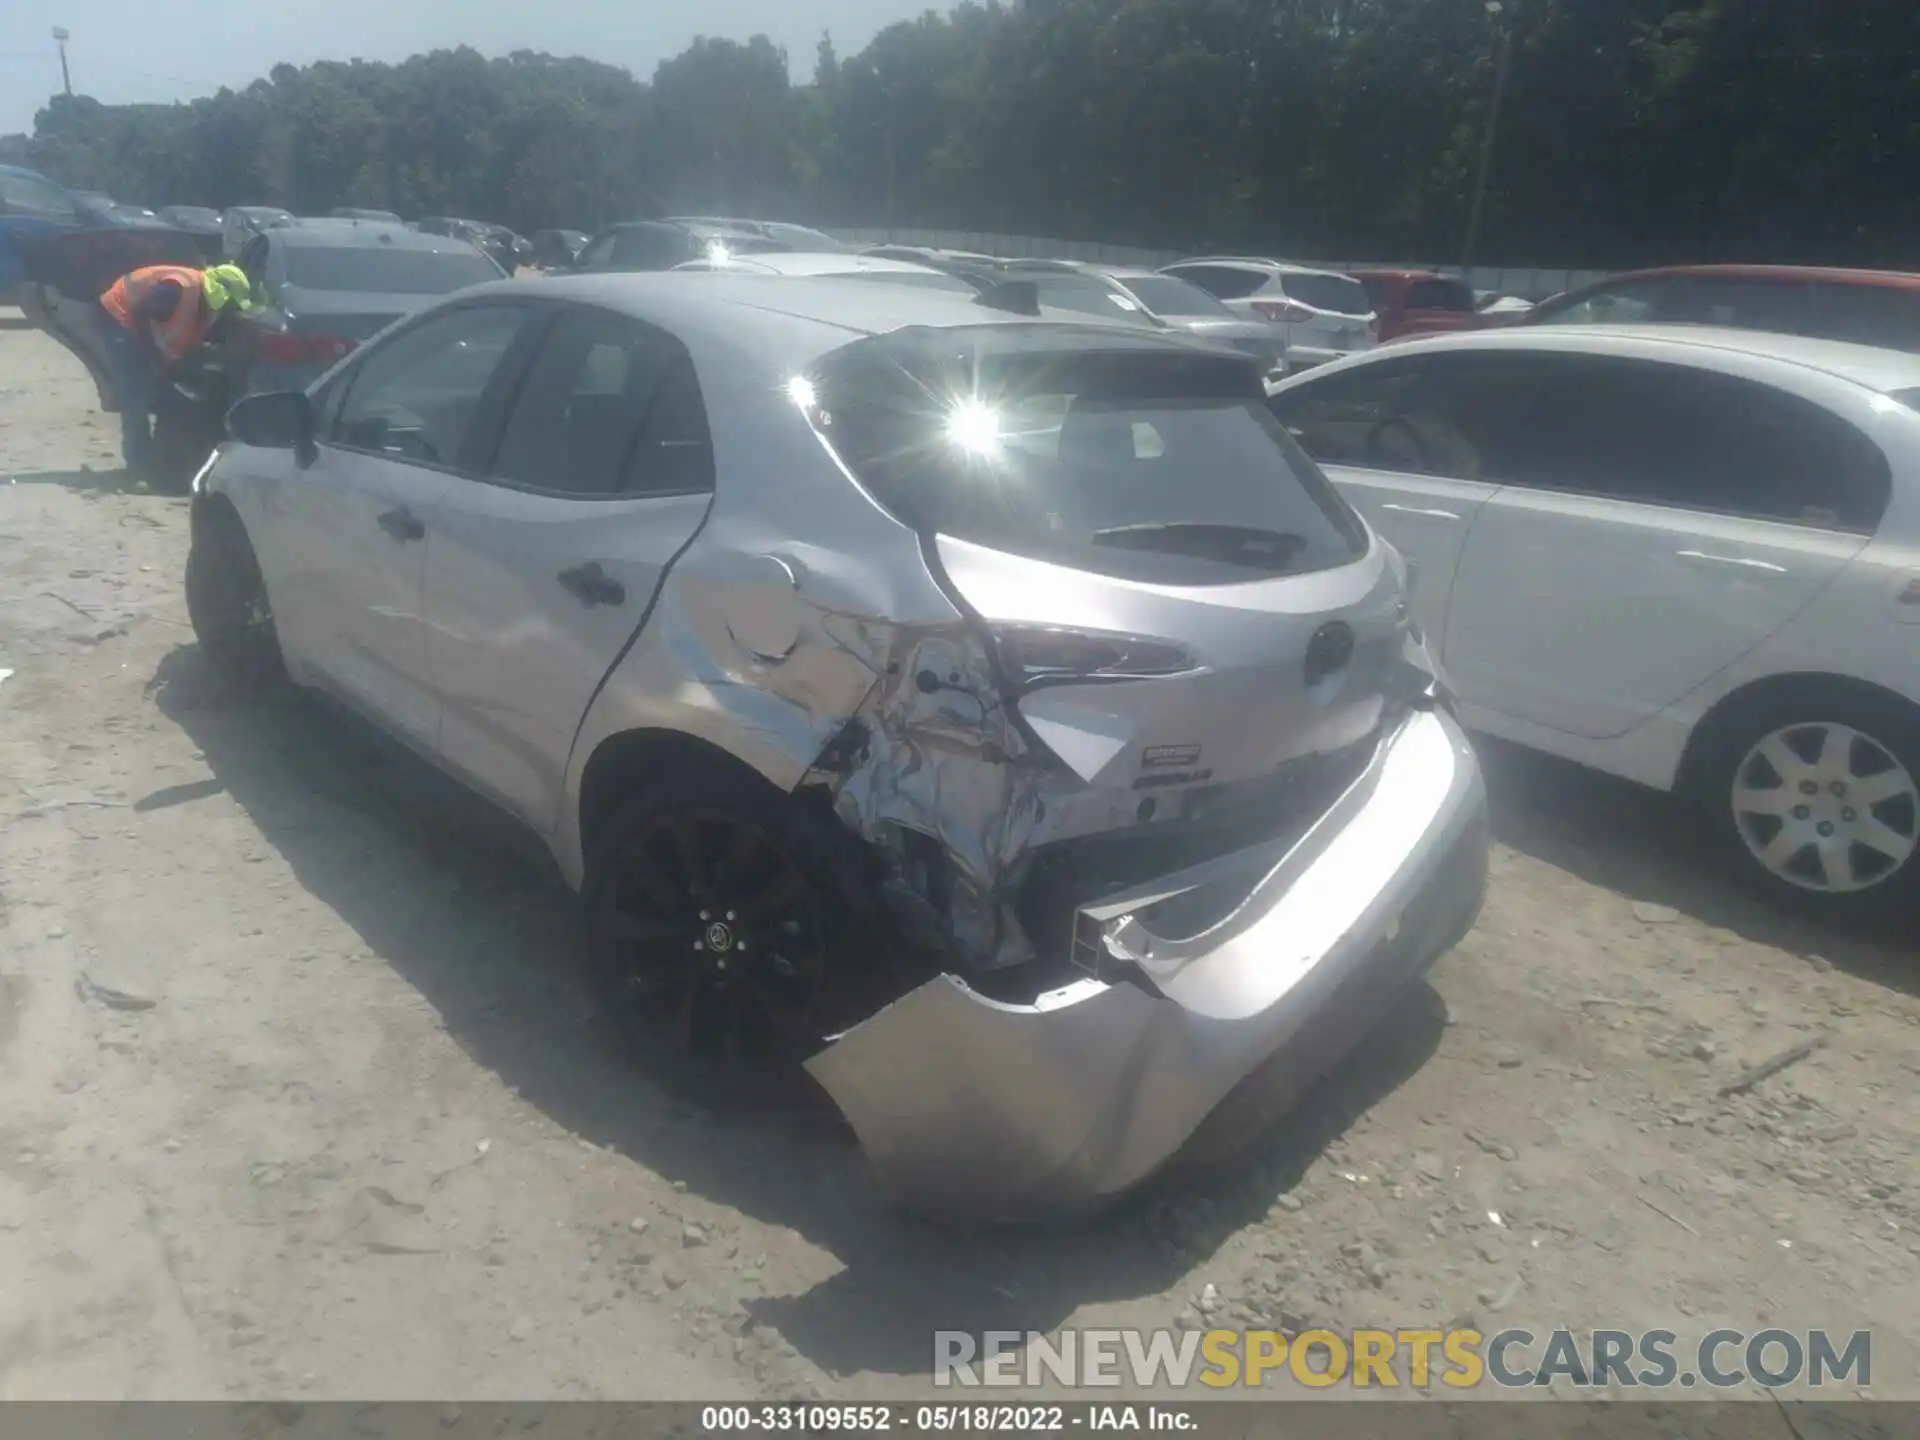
[[974, 428]]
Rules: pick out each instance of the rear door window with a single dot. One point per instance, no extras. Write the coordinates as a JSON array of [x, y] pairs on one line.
[[1441, 416], [577, 418], [1144, 464], [1881, 315], [1661, 434], [416, 396], [674, 455]]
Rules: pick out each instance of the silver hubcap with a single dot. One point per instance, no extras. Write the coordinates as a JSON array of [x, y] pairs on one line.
[[1826, 807]]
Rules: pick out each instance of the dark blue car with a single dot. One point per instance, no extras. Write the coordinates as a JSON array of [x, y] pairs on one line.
[[30, 205]]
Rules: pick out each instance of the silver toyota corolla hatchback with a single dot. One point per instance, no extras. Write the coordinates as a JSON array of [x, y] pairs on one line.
[[995, 712]]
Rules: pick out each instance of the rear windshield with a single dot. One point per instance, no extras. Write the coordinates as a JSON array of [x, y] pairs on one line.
[[1339, 293], [1169, 295], [1379, 293], [1086, 296], [375, 270], [805, 239], [1440, 295], [1141, 463]]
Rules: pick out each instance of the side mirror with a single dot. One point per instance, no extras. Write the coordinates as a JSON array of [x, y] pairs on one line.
[[278, 420]]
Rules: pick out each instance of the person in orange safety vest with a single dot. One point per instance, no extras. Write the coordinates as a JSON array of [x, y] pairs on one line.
[[150, 320]]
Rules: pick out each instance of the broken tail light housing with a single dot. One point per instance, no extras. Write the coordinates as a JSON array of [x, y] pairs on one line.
[[1037, 654], [283, 347]]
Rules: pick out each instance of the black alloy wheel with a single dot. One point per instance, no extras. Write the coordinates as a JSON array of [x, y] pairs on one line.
[[707, 929]]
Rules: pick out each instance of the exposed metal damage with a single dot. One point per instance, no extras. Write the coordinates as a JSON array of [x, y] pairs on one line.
[[968, 1105], [933, 773], [998, 1109], [1138, 819]]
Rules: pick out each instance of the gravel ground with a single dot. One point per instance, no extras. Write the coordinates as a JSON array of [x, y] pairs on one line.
[[300, 1093]]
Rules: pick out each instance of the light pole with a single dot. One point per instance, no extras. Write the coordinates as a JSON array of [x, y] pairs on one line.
[[60, 38], [1502, 67], [893, 146]]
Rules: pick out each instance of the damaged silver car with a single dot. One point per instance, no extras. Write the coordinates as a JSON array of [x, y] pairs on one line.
[[993, 711]]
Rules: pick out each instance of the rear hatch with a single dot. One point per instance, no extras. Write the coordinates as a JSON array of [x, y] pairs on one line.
[[1182, 608], [1323, 312], [1250, 337]]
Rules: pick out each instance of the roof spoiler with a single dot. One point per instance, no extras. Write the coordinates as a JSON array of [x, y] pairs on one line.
[[1016, 297]]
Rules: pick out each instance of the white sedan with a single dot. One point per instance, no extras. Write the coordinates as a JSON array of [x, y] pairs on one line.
[[1689, 557]]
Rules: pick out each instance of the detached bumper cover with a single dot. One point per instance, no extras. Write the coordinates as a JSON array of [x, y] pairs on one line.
[[1004, 1111]]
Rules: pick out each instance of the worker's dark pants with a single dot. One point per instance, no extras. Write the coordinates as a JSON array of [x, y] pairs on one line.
[[135, 377]]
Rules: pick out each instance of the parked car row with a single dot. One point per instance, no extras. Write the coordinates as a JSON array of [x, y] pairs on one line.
[[927, 666], [1868, 307], [920, 679]]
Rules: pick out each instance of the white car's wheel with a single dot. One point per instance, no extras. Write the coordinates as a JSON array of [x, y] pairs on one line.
[[1822, 801]]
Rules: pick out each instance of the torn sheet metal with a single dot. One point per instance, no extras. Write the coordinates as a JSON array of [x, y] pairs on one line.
[[997, 1111], [950, 792]]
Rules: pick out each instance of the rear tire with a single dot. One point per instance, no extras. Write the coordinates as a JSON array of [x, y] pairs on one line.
[[1815, 801], [227, 603], [723, 923]]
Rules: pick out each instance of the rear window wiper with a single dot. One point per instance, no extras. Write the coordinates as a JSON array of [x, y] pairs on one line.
[[1249, 545]]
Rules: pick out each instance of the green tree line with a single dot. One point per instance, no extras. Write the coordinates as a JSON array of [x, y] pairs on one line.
[[1629, 131]]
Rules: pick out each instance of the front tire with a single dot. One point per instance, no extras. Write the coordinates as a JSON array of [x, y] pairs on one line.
[[183, 438], [1816, 801], [227, 603]]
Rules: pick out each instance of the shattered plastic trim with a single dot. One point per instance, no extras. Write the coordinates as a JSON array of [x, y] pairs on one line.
[[996, 1111], [941, 758]]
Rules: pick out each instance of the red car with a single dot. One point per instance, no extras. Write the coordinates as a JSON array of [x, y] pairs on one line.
[[1419, 302], [1868, 307]]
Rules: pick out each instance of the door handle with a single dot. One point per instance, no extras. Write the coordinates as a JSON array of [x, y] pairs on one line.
[[1701, 557], [403, 525], [593, 585], [1423, 514]]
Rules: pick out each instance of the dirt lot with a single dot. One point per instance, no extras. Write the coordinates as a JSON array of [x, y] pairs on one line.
[[300, 1095]]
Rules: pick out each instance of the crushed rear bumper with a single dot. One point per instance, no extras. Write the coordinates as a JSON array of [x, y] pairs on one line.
[[996, 1111]]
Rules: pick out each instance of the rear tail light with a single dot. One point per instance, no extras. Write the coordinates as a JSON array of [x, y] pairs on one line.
[[1034, 653], [282, 347], [1287, 312]]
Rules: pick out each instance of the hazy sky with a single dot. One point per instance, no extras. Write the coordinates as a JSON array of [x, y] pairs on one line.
[[146, 50]]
